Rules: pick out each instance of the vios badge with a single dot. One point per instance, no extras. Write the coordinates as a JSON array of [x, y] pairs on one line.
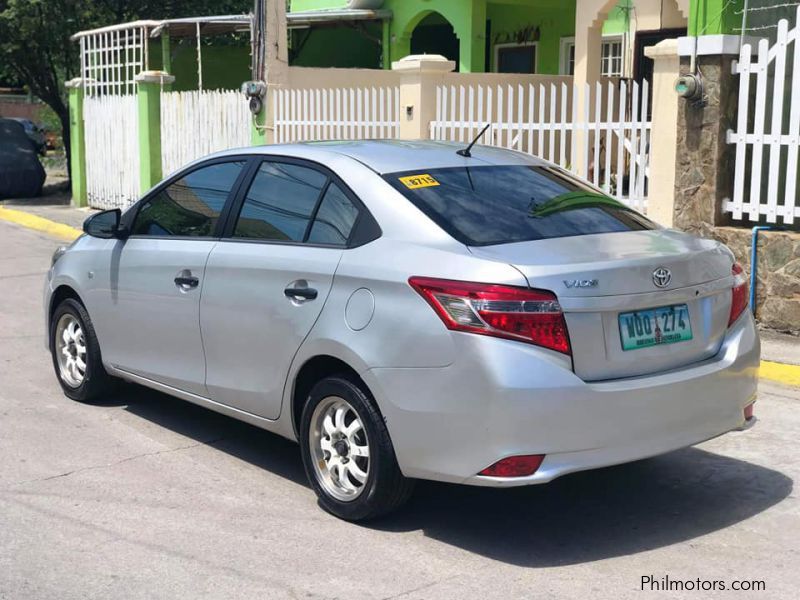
[[580, 283], [662, 277]]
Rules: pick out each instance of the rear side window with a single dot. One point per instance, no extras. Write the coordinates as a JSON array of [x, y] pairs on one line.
[[487, 205], [335, 218], [189, 207], [280, 203]]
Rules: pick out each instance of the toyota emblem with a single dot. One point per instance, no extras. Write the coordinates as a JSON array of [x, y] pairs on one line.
[[662, 277]]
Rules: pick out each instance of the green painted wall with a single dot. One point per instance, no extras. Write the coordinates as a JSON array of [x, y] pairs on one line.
[[336, 47], [545, 25], [709, 17], [619, 18], [225, 66]]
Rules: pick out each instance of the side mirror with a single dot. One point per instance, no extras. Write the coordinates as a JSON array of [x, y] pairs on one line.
[[105, 225]]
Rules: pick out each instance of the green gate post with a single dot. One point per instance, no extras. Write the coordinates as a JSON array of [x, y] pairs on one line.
[[150, 84], [77, 143]]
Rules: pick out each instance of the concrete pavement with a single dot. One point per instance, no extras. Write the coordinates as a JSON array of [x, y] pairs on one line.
[[145, 496]]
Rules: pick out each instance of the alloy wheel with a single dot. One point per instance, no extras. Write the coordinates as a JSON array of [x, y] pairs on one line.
[[340, 449], [71, 350]]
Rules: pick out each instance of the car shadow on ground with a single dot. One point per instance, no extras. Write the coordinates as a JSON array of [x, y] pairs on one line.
[[582, 517]]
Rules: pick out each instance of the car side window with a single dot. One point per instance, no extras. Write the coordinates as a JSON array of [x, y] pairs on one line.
[[335, 218], [280, 202], [191, 206]]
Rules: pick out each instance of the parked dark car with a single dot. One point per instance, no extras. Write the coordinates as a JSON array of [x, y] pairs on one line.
[[35, 134], [21, 173]]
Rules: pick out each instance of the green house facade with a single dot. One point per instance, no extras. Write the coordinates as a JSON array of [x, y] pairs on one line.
[[535, 36]]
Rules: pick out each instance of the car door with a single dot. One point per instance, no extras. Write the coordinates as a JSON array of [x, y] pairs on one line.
[[156, 277], [267, 280]]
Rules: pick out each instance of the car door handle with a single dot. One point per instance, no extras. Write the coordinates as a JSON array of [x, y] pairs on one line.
[[187, 281], [305, 293]]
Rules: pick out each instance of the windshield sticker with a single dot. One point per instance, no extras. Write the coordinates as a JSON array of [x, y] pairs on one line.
[[414, 182]]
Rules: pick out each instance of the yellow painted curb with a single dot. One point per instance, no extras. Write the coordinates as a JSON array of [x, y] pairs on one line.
[[785, 374], [59, 230]]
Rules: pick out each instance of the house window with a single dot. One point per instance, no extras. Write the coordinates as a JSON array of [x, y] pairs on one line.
[[515, 58], [611, 57], [567, 56]]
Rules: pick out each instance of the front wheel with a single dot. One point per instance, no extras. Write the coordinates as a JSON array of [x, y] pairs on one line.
[[347, 453], [76, 353]]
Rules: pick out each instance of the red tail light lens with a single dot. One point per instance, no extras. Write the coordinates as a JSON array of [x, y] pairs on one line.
[[739, 293], [514, 466], [532, 316]]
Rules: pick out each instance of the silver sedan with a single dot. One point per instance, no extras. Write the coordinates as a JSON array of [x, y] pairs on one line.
[[406, 312]]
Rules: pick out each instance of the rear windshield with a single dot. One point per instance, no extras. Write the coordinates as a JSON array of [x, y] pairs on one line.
[[486, 205]]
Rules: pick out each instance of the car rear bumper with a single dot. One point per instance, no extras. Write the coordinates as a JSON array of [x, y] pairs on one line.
[[503, 398]]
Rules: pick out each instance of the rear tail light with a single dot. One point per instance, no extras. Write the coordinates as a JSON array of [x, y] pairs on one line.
[[514, 466], [749, 412], [532, 316], [738, 294]]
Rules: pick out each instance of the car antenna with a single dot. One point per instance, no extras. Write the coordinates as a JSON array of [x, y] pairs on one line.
[[466, 151]]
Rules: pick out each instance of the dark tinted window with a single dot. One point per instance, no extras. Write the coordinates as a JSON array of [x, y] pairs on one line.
[[280, 202], [516, 59], [335, 218], [191, 206], [480, 206]]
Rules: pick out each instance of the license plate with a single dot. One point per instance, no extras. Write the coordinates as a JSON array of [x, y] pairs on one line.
[[645, 328]]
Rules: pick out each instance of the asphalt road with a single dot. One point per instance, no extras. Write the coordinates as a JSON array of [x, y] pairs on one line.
[[145, 496]]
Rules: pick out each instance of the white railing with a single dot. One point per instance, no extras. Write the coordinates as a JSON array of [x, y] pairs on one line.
[[765, 173], [112, 150], [197, 123], [543, 120], [336, 114]]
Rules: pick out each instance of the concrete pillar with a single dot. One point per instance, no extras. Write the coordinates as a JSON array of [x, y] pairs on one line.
[[664, 134], [77, 143], [472, 39], [276, 67], [705, 162], [588, 39], [149, 104], [420, 74]]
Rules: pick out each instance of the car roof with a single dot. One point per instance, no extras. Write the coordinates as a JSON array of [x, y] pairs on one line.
[[391, 156]]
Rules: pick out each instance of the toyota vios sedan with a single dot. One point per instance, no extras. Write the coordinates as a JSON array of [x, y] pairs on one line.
[[407, 312]]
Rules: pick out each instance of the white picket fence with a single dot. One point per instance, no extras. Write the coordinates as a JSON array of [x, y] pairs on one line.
[[543, 120], [112, 150], [197, 123], [767, 139], [336, 114]]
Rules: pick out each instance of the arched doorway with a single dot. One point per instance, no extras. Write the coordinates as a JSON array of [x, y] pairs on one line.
[[435, 35]]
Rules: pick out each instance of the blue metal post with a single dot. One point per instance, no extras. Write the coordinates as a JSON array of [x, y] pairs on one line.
[[754, 263]]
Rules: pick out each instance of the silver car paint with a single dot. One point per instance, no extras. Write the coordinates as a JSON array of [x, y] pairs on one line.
[[455, 403]]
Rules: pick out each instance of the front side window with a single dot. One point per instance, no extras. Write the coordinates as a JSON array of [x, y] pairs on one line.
[[486, 205], [191, 206], [280, 203]]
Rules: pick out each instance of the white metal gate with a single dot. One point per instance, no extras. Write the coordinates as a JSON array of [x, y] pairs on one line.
[[197, 123], [543, 120], [112, 150], [767, 135]]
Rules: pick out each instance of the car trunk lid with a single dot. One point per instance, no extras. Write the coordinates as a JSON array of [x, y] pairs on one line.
[[599, 277]]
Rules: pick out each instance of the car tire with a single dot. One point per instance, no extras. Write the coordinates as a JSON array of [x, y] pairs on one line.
[[339, 421], [76, 354]]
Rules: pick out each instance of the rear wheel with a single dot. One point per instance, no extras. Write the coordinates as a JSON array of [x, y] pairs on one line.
[[76, 353], [347, 453]]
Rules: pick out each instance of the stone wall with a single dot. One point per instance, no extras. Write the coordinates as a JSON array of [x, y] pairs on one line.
[[778, 289]]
